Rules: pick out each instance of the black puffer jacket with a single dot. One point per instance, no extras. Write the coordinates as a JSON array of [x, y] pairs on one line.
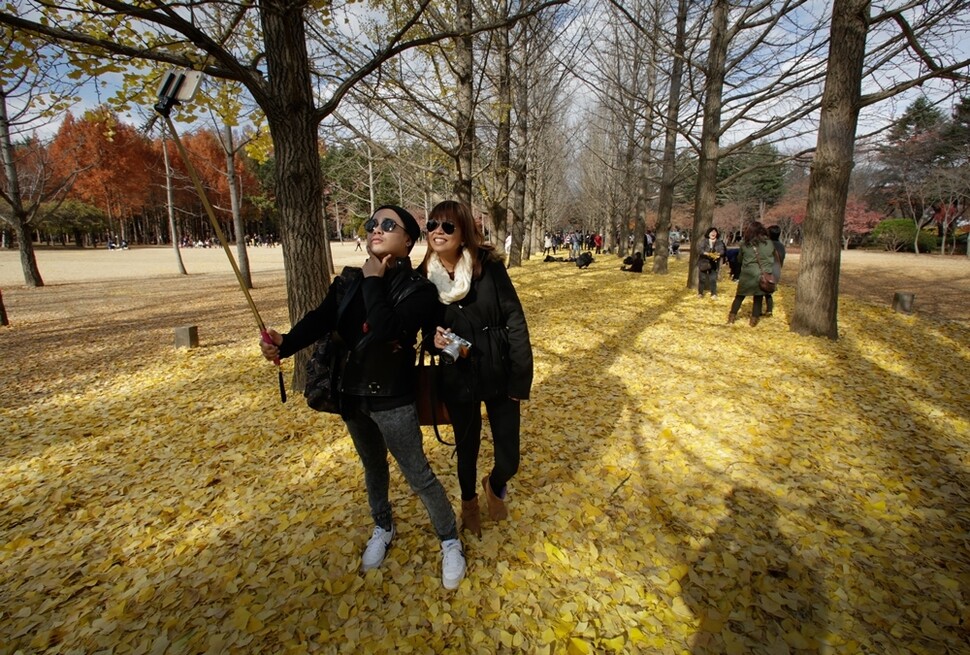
[[491, 318], [379, 318]]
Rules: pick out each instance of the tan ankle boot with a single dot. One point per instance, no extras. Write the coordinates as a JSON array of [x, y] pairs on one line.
[[754, 321], [496, 506], [471, 517], [732, 318]]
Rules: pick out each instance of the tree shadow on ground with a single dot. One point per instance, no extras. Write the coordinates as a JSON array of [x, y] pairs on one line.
[[748, 587]]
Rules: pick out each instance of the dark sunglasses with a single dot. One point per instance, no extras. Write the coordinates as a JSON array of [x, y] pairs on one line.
[[387, 225], [446, 227]]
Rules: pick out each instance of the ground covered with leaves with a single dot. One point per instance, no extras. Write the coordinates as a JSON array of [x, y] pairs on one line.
[[687, 486]]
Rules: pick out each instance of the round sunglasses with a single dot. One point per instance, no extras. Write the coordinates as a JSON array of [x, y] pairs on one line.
[[387, 225], [446, 227]]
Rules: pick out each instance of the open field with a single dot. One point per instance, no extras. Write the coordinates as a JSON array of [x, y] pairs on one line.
[[687, 487], [940, 283]]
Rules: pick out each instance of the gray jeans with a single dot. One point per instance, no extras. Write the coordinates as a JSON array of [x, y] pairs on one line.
[[375, 432]]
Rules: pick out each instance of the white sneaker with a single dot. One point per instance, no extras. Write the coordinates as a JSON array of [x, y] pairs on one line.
[[452, 563], [376, 548]]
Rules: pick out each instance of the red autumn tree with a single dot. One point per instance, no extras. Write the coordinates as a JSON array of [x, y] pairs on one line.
[[209, 159], [859, 220], [113, 163]]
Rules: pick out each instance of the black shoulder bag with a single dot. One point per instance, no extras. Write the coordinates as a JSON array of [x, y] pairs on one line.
[[326, 363]]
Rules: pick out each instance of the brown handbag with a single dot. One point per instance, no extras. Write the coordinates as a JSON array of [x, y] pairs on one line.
[[766, 281], [431, 406]]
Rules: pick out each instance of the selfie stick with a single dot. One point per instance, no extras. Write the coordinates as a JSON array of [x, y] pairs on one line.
[[168, 96]]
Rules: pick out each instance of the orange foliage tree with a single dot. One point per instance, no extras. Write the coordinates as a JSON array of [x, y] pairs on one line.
[[114, 164], [209, 158]]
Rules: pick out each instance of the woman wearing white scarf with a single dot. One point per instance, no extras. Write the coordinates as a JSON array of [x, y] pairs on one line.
[[480, 305]]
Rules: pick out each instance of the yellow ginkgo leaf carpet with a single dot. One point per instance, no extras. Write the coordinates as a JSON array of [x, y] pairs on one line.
[[686, 486]]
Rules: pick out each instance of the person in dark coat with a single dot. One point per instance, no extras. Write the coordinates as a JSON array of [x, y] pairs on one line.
[[774, 233], [480, 305], [711, 250], [381, 306], [633, 264], [756, 256]]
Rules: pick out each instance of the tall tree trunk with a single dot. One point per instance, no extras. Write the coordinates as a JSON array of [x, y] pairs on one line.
[[170, 199], [20, 220], [706, 194], [28, 261], [534, 222], [647, 167], [668, 176], [500, 200], [324, 207], [293, 126], [464, 63], [242, 258], [817, 288], [371, 184], [629, 187], [521, 226]]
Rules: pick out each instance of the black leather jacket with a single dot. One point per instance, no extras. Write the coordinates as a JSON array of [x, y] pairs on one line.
[[378, 319]]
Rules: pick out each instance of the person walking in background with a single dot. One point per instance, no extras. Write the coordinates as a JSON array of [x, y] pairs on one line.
[[576, 244], [774, 233], [480, 305], [674, 244], [383, 305], [756, 257], [711, 250]]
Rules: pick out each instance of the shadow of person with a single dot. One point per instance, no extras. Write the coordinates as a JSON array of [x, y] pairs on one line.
[[749, 589]]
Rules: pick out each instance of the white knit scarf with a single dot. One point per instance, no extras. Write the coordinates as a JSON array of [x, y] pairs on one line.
[[449, 290]]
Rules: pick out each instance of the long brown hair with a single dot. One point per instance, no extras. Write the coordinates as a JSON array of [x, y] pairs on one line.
[[460, 215], [755, 233]]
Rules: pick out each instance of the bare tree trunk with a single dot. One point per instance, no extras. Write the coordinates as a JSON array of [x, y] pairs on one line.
[[630, 177], [28, 261], [668, 175], [710, 135], [943, 227], [242, 257], [293, 126], [170, 200], [521, 226], [817, 288], [536, 211], [647, 167], [20, 220], [499, 208], [464, 64], [328, 249]]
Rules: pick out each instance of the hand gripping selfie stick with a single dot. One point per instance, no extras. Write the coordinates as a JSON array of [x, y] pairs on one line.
[[177, 88]]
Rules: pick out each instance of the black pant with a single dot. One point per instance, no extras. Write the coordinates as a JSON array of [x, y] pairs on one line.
[[769, 303], [707, 280], [736, 305], [466, 418]]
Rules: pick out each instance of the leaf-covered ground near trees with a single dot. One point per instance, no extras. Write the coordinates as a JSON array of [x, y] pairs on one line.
[[686, 486]]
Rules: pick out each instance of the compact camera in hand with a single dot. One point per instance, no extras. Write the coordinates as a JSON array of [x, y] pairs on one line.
[[456, 346]]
